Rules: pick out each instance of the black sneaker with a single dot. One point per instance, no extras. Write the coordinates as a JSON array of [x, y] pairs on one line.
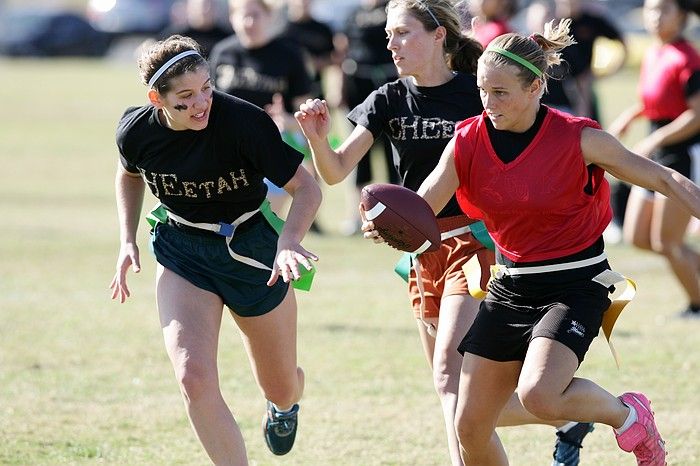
[[690, 312], [280, 429], [569, 444]]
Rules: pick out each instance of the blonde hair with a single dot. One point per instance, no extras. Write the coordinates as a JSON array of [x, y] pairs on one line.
[[541, 50]]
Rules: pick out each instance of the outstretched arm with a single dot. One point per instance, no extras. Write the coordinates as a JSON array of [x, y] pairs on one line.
[[619, 127], [686, 125], [603, 150], [333, 165], [306, 198], [129, 190]]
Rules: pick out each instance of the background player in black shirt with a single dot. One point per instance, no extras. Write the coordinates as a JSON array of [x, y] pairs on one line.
[[261, 66], [204, 154], [587, 25], [314, 36], [200, 22]]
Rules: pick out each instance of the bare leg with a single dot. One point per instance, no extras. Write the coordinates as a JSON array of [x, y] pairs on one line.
[[271, 343], [515, 414], [549, 390], [668, 229], [485, 387], [191, 318], [659, 224], [457, 313], [637, 226]]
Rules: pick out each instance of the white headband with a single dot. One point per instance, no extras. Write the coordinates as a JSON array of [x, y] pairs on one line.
[[168, 64], [437, 23]]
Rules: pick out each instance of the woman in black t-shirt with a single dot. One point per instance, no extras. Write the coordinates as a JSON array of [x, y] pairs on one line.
[[204, 154], [258, 62]]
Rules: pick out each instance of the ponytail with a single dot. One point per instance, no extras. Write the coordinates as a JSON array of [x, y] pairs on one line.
[[464, 55], [534, 55]]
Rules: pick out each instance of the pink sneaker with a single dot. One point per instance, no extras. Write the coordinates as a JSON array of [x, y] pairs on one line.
[[642, 437]]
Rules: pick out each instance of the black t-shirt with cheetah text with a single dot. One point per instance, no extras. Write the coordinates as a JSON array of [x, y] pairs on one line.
[[419, 121], [214, 174]]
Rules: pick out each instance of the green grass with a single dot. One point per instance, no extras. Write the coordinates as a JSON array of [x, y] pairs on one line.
[[84, 380]]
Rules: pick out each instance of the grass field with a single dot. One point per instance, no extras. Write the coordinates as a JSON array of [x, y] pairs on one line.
[[84, 380]]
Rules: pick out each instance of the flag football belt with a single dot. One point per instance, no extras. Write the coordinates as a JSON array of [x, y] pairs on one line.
[[403, 266], [160, 215], [500, 271], [456, 232], [619, 298]]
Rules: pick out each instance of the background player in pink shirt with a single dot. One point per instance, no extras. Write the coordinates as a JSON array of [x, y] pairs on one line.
[[669, 88], [490, 18]]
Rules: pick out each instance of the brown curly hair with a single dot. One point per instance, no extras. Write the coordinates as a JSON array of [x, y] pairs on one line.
[[154, 56]]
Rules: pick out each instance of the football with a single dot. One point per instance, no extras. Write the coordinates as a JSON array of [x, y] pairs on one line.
[[402, 217]]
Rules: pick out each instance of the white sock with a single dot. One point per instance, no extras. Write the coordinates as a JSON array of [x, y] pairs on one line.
[[282, 411], [631, 419], [567, 427]]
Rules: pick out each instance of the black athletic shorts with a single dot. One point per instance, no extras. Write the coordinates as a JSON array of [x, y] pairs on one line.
[[565, 306], [203, 259]]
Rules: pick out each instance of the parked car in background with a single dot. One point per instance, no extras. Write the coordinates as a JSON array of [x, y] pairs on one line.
[[48, 33], [129, 17]]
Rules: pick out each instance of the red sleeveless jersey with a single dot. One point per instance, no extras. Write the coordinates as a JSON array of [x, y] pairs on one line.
[[664, 73], [542, 205]]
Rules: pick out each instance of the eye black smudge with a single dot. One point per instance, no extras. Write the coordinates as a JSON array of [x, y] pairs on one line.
[[180, 107]]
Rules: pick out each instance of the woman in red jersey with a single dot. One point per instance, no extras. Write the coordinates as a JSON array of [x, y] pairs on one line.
[[419, 112], [536, 177], [669, 89]]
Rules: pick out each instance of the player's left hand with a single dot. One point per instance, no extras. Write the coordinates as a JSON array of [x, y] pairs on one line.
[[287, 262]]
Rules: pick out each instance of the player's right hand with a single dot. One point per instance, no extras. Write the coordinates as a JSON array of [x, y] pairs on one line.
[[128, 257], [314, 119], [367, 228]]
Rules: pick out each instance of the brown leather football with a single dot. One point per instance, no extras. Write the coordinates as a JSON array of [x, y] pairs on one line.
[[402, 217]]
